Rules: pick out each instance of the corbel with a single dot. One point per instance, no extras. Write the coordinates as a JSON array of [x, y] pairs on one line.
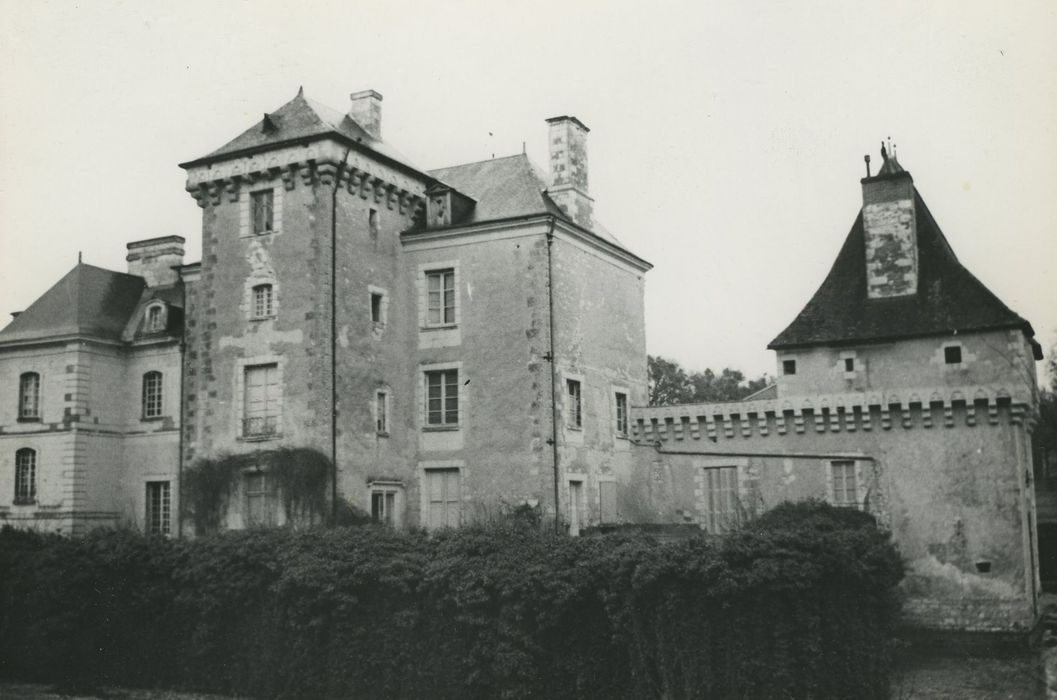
[[306, 172], [948, 414], [834, 419], [886, 417], [798, 420], [908, 418], [850, 422], [327, 173], [201, 194], [761, 423], [390, 196], [728, 426], [1016, 414], [867, 418], [677, 427], [710, 427], [353, 182], [379, 189], [214, 193], [779, 421], [365, 185], [970, 413], [402, 198], [992, 412], [287, 174], [343, 175], [926, 415], [232, 186], [820, 419], [695, 427]]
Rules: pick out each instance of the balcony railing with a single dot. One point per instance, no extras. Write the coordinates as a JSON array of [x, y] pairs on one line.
[[260, 426]]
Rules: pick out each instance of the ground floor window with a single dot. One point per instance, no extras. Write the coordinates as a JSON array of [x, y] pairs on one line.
[[262, 502], [387, 503], [845, 488], [443, 497], [25, 476], [159, 508], [577, 508]]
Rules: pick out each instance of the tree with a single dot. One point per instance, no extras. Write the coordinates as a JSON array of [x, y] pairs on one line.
[[671, 385], [1044, 438]]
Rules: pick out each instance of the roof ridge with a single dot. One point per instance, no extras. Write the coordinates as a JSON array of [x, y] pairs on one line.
[[478, 162]]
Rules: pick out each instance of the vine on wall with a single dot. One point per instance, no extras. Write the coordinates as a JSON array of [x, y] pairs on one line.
[[299, 476]]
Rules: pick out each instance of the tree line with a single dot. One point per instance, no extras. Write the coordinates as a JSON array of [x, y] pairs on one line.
[[671, 385]]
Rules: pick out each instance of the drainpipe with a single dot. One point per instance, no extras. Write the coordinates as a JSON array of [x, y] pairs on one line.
[[183, 415], [554, 378], [334, 340]]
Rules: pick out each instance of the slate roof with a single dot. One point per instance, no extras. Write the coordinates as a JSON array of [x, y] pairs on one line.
[[87, 301], [298, 119], [506, 188], [949, 298]]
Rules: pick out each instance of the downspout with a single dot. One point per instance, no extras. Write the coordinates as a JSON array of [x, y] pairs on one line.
[[554, 377], [183, 416], [334, 340]]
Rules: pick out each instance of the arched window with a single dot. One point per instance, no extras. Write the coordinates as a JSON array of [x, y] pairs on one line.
[[155, 318], [29, 396], [152, 395], [25, 476], [262, 301]]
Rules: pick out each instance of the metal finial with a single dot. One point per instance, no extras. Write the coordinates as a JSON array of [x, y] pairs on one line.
[[867, 159], [78, 257]]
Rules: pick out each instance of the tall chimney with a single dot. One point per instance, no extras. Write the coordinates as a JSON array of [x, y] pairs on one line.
[[365, 108], [890, 231], [568, 155], [153, 259]]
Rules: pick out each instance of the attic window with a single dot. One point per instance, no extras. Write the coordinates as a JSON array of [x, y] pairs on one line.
[[155, 318], [952, 354], [788, 366], [849, 364]]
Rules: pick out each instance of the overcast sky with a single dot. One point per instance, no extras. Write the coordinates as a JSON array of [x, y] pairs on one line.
[[726, 139]]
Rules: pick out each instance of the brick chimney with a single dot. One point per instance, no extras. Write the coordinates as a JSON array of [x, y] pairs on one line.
[[568, 155], [365, 108], [890, 231], [153, 259]]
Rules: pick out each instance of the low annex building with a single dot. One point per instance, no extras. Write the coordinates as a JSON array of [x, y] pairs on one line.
[[469, 339]]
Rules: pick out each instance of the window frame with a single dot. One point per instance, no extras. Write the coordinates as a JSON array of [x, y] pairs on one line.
[[620, 399], [446, 501], [271, 420], [442, 274], [381, 412], [259, 210], [718, 521], [444, 385], [155, 318], [24, 387], [577, 508], [25, 491], [839, 498], [152, 395], [787, 363], [268, 494], [390, 494], [158, 517], [953, 348], [263, 292], [574, 419]]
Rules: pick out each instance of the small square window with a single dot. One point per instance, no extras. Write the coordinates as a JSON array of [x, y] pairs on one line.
[[788, 366], [849, 364], [952, 354]]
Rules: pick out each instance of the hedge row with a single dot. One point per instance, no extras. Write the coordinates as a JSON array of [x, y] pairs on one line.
[[798, 605]]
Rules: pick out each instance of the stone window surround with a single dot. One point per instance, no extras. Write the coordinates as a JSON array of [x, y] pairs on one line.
[[33, 500], [422, 391], [614, 390], [246, 215], [165, 516], [393, 486], [240, 395], [386, 413], [160, 321], [423, 294], [260, 286], [378, 327], [146, 414], [423, 491], [23, 378], [860, 486]]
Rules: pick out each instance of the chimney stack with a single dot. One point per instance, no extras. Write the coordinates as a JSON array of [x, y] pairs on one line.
[[568, 156], [890, 231], [153, 259], [365, 109]]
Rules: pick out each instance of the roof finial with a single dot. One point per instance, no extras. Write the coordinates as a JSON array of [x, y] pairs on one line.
[[867, 159], [300, 90], [78, 257], [884, 153]]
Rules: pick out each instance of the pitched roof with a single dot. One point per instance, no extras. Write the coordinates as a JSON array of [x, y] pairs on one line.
[[506, 188], [949, 298], [298, 119], [87, 301]]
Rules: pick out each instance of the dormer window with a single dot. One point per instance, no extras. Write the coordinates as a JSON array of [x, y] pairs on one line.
[[155, 318]]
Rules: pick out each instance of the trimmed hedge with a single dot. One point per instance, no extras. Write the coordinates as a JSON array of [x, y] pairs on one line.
[[799, 604]]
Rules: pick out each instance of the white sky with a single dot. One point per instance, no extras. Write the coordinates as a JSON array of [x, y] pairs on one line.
[[726, 138]]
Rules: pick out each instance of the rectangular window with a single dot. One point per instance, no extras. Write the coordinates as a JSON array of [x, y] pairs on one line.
[[577, 508], [440, 302], [261, 499], [383, 507], [29, 396], [788, 366], [952, 354], [575, 407], [262, 301], [849, 364], [152, 395], [376, 308], [444, 497], [721, 499], [261, 204], [845, 486], [25, 476], [261, 401], [622, 414], [442, 398], [607, 501], [372, 222], [381, 412], [159, 508]]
